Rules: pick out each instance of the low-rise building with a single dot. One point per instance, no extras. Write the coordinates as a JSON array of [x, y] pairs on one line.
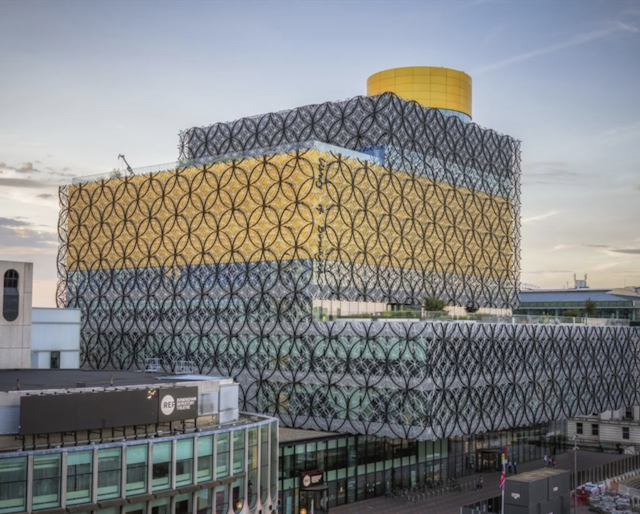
[[110, 442], [55, 338], [610, 430]]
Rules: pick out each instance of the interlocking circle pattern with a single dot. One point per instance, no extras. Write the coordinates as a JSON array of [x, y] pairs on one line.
[[219, 263]]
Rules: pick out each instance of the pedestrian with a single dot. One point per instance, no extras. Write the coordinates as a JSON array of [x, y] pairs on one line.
[[478, 484], [481, 484], [510, 466], [515, 467], [553, 462], [546, 460]]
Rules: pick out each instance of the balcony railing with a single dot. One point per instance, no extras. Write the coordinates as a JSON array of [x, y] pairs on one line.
[[514, 319]]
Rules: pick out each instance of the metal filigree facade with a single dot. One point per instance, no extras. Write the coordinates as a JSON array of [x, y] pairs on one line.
[[220, 262]]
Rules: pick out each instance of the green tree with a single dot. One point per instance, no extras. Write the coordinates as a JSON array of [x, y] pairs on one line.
[[571, 313], [432, 304], [590, 307]]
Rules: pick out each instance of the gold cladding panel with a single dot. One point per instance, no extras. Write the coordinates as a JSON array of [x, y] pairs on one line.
[[418, 82], [288, 207]]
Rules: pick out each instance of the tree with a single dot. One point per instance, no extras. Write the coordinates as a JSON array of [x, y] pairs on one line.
[[590, 307], [571, 313], [432, 304]]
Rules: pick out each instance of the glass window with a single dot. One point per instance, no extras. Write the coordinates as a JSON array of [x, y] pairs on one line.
[[237, 489], [205, 458], [161, 506], [204, 501], [79, 477], [54, 360], [238, 451], [109, 473], [594, 429], [184, 461], [579, 428], [46, 481], [264, 463], [161, 466], [13, 484], [137, 469], [222, 499], [625, 432], [274, 458], [183, 502], [222, 459], [11, 297], [252, 464], [136, 508]]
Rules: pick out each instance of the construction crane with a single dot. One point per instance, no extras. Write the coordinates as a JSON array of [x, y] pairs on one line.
[[121, 156]]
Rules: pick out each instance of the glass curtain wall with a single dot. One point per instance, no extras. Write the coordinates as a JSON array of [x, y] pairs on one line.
[[236, 453], [13, 485], [361, 467]]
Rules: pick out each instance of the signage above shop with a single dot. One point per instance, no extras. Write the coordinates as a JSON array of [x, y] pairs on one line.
[[309, 479]]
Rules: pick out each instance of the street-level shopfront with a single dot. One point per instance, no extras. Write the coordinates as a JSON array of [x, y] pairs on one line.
[[355, 468]]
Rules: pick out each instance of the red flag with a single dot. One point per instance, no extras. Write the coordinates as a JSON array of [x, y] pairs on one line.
[[503, 477]]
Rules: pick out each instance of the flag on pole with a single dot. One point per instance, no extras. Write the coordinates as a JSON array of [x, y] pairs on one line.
[[503, 477]]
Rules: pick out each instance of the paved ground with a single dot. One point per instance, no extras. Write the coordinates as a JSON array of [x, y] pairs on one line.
[[450, 503]]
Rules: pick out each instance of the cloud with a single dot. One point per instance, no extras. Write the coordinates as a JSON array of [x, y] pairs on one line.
[[561, 247], [548, 172], [532, 219], [24, 183], [629, 251], [16, 233], [13, 223], [580, 39], [542, 272], [26, 167], [609, 250], [44, 195]]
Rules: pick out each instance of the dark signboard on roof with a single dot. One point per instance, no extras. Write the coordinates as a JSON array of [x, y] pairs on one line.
[[68, 412]]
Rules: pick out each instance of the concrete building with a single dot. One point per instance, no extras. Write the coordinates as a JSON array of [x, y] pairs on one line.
[[55, 338], [124, 442], [15, 317], [610, 430]]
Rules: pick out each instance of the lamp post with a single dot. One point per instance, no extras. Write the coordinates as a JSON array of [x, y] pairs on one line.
[[575, 474]]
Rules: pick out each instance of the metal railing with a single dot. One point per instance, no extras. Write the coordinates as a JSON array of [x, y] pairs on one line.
[[514, 319]]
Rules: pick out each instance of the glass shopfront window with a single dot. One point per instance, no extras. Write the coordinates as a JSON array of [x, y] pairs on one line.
[[357, 468], [46, 481], [222, 457], [205, 458], [109, 473], [13, 485], [184, 461], [137, 469], [161, 466], [79, 477]]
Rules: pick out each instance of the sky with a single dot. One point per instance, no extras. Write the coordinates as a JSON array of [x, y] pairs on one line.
[[84, 81]]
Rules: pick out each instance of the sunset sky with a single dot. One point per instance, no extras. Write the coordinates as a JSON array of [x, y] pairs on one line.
[[85, 81]]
